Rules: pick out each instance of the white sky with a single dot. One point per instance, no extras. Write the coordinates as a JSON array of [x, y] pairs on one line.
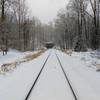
[[46, 10]]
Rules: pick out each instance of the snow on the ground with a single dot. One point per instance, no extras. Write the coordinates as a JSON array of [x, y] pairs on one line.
[[15, 86], [90, 58], [85, 80], [52, 84], [12, 56]]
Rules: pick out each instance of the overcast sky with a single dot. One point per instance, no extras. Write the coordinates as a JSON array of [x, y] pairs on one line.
[[46, 10]]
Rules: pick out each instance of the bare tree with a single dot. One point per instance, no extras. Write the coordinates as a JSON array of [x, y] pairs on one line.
[[95, 4]]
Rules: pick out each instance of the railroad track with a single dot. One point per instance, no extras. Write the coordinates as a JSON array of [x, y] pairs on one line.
[[34, 83], [67, 79]]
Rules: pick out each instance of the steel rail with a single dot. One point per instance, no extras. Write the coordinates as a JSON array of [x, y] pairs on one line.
[[30, 91], [67, 79]]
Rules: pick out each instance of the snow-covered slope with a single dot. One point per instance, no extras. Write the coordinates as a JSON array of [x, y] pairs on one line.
[[12, 56], [91, 58]]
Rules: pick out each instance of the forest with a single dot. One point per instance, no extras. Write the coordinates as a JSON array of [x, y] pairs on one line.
[[76, 27]]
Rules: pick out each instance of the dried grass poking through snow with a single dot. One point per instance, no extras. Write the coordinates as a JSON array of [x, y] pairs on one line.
[[68, 51], [11, 66], [97, 66]]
